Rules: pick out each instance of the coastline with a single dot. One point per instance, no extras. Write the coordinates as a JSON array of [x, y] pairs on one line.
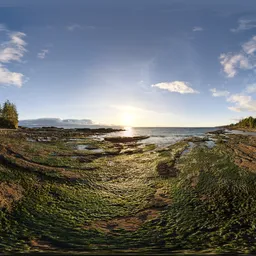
[[123, 194], [243, 129]]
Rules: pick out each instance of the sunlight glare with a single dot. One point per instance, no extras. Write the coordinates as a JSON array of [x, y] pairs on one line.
[[127, 119]]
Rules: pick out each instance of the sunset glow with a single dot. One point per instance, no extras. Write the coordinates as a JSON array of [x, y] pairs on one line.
[[128, 119]]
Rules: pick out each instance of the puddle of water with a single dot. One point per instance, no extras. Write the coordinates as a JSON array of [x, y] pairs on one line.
[[210, 144], [191, 145], [40, 139], [97, 137], [90, 148], [30, 140]]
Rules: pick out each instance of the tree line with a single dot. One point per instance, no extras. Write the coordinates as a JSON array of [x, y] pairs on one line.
[[8, 115], [248, 122]]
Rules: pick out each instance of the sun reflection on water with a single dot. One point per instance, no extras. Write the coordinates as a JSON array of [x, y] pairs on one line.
[[129, 132]]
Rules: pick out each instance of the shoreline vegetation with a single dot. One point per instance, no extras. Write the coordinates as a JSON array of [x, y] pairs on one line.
[[72, 191], [246, 124]]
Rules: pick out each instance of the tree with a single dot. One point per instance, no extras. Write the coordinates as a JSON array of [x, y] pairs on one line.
[[9, 116], [248, 122]]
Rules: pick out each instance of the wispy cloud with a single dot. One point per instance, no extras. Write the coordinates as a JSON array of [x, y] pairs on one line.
[[14, 49], [72, 27], [219, 93], [232, 62], [8, 77], [250, 46], [76, 26], [245, 59], [11, 50], [176, 86], [42, 53], [251, 88], [197, 29], [242, 103], [244, 24], [235, 109], [3, 27]]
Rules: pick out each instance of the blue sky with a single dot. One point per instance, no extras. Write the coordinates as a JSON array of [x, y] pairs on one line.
[[140, 63]]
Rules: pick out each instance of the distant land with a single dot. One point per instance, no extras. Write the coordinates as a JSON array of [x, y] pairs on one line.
[[76, 123], [58, 122]]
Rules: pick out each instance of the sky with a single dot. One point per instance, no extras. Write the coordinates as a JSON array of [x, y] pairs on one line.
[[135, 63]]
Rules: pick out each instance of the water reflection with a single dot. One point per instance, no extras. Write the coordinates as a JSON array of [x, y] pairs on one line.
[[161, 136], [129, 132]]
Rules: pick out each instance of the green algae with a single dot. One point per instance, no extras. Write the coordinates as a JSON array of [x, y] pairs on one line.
[[211, 203]]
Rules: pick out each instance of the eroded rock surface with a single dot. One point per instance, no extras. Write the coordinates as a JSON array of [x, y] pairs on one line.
[[9, 194]]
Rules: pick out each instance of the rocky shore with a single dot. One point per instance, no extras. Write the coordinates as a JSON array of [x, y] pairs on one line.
[[122, 195]]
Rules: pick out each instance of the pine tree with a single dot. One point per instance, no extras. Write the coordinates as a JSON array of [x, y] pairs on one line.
[[9, 116]]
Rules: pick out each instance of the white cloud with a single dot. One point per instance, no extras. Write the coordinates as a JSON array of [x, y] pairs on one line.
[[11, 50], [42, 54], [12, 78], [176, 86], [250, 46], [14, 49], [251, 88], [217, 93], [245, 59], [244, 25], [231, 63], [242, 103], [197, 29]]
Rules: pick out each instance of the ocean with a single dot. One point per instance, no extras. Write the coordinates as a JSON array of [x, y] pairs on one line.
[[163, 135], [158, 135]]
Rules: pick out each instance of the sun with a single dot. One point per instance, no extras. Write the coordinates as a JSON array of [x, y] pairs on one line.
[[127, 119]]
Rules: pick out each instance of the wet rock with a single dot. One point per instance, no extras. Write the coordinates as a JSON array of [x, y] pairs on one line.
[[98, 130], [125, 139], [131, 151], [85, 159], [221, 131], [197, 139], [244, 149], [166, 169], [91, 147]]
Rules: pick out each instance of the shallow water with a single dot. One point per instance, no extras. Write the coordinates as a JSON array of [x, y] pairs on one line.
[[162, 136], [88, 148], [241, 132], [191, 145], [210, 144]]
